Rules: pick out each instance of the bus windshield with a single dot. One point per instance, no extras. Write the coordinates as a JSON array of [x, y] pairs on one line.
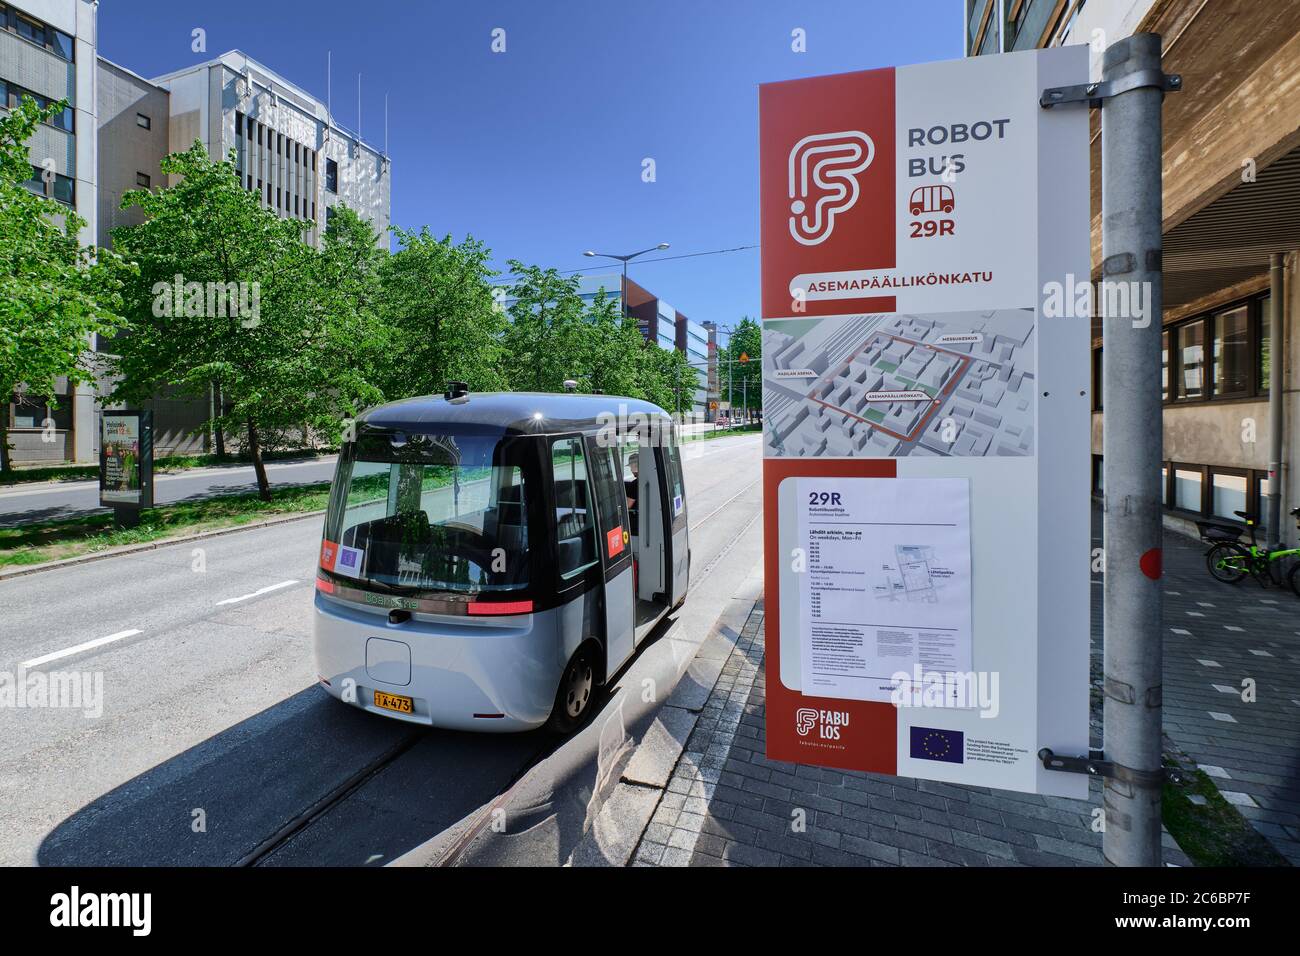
[[430, 513]]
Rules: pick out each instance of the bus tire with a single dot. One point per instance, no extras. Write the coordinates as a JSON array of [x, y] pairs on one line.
[[575, 697]]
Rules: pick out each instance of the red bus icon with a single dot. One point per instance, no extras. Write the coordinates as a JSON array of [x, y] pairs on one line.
[[930, 199]]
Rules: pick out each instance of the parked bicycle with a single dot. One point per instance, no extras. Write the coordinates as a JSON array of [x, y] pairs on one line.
[[1229, 559]]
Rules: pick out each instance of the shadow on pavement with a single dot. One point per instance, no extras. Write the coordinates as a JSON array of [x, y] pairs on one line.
[[222, 800]]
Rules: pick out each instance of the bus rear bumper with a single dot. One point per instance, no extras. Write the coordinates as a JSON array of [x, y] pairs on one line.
[[487, 675]]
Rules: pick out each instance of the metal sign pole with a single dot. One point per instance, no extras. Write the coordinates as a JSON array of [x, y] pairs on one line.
[[1130, 302], [1132, 452]]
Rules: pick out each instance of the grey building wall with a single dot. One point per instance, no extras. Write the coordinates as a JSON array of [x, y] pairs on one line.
[[71, 154], [209, 99], [126, 148]]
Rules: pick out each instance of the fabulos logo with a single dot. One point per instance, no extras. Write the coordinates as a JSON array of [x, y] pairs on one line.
[[830, 164], [827, 723]]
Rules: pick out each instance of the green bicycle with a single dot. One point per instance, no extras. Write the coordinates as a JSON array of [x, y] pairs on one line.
[[1229, 559]]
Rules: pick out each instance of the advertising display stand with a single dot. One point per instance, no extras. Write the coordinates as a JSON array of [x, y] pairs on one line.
[[126, 464]]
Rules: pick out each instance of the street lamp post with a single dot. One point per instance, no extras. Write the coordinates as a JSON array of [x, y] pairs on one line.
[[625, 260]]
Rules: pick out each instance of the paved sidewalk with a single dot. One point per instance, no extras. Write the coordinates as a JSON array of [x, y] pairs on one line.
[[727, 804], [1217, 636]]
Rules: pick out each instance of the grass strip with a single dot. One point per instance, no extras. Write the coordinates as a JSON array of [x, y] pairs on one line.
[[73, 537]]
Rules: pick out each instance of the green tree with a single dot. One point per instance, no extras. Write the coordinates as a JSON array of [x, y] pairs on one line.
[[547, 339], [667, 379], [54, 295], [614, 350], [441, 318], [746, 377], [228, 293]]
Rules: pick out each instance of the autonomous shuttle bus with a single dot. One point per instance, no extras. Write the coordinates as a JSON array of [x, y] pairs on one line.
[[490, 560]]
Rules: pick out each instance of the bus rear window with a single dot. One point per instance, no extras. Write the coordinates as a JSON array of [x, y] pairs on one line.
[[430, 513]]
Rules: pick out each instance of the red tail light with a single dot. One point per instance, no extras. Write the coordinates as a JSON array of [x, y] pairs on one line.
[[323, 585], [499, 607]]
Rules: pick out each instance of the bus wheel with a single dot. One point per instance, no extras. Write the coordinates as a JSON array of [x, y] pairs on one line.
[[577, 690]]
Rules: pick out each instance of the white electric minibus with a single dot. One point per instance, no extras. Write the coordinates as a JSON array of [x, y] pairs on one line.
[[490, 561]]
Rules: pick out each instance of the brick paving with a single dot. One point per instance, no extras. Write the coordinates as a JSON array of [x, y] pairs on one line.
[[1217, 636], [727, 804]]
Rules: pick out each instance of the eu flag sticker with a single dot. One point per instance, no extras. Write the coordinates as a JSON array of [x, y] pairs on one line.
[[931, 744]]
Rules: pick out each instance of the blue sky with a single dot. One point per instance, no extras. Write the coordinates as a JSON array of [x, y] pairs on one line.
[[538, 151]]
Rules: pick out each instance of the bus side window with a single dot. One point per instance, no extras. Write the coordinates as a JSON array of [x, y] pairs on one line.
[[611, 499], [574, 529], [675, 490]]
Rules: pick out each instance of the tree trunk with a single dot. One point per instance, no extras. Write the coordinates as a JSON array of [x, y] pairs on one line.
[[220, 433], [259, 466], [4, 440]]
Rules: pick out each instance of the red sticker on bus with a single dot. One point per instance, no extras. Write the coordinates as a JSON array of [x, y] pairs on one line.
[[329, 552], [614, 542]]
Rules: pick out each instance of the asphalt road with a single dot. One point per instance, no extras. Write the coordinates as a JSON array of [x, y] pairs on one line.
[[215, 747], [24, 504], [49, 501]]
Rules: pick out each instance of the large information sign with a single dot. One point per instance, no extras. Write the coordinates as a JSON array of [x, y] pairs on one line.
[[925, 424], [126, 459]]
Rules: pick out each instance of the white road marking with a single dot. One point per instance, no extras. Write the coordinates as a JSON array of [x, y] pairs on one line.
[[77, 649], [260, 591]]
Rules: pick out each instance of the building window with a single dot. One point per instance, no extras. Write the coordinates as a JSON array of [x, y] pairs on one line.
[[1231, 352], [1164, 366], [1188, 485], [142, 179], [1191, 359], [331, 176], [29, 29], [1228, 489], [143, 121], [1096, 380], [64, 189], [13, 96], [1265, 325], [1259, 488], [33, 411], [1236, 364]]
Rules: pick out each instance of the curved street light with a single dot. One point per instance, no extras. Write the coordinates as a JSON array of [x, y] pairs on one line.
[[625, 260]]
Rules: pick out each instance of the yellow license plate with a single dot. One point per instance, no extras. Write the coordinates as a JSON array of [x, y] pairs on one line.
[[403, 705]]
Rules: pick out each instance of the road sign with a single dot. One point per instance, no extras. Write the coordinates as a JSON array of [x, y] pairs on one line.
[[744, 356], [925, 424]]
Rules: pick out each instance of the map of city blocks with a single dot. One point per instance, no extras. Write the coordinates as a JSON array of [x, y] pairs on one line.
[[888, 386]]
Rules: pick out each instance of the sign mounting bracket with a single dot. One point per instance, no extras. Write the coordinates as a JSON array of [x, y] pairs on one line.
[[1095, 94]]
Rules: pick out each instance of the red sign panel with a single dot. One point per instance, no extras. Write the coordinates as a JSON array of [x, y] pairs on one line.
[[614, 542], [827, 168]]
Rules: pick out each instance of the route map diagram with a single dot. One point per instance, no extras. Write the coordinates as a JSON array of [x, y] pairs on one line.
[[888, 386]]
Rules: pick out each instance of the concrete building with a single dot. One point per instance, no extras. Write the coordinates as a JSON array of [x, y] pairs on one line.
[[1231, 211], [47, 52], [116, 132], [287, 146], [692, 339]]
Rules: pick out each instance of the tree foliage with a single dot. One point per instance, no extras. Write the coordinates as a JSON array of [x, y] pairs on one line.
[[283, 353], [54, 295], [440, 316], [746, 377]]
